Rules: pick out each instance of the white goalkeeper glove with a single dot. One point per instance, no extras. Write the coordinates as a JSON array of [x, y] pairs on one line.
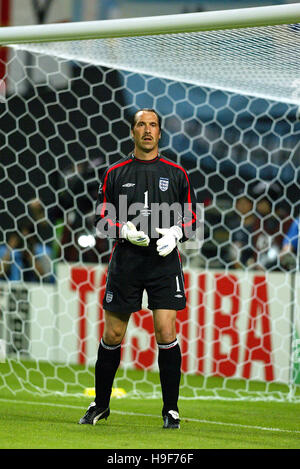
[[129, 232], [167, 243]]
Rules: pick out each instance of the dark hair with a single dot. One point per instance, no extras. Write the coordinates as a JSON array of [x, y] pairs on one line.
[[133, 120]]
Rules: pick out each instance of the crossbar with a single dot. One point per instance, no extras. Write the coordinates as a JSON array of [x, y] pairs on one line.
[[152, 25]]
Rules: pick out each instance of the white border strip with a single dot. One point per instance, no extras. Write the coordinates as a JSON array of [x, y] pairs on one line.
[[151, 25]]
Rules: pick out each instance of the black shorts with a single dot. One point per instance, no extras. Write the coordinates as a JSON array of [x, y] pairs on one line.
[[133, 269]]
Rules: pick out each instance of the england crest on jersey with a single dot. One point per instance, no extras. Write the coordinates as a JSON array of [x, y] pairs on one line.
[[163, 184], [109, 296]]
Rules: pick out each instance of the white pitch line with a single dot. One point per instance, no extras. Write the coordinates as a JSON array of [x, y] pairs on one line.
[[212, 422], [137, 414]]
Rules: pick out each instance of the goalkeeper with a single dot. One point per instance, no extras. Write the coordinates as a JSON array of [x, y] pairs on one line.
[[144, 257]]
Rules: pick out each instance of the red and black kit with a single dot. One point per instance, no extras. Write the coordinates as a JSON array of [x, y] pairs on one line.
[[150, 193]]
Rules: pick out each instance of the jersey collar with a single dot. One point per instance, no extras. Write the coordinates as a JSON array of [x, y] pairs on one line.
[[153, 160]]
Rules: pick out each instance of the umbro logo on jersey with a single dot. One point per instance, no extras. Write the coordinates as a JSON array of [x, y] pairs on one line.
[[163, 184], [128, 184]]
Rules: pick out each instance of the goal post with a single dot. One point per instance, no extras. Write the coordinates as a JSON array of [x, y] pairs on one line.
[[227, 87]]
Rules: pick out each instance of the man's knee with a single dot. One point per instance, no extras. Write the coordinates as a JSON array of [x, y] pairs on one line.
[[114, 328], [165, 326], [112, 336]]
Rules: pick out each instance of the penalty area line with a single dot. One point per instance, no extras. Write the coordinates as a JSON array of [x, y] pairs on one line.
[[137, 414]]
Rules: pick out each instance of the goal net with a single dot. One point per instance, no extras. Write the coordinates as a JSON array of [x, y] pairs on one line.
[[227, 87]]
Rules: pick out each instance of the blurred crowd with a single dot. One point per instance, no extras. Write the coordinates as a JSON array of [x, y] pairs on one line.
[[63, 233], [26, 253], [260, 230], [256, 232]]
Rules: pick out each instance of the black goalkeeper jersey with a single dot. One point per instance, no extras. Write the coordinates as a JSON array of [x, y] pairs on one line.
[[150, 193]]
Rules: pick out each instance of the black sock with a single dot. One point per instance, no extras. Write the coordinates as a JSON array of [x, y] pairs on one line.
[[169, 362], [105, 370]]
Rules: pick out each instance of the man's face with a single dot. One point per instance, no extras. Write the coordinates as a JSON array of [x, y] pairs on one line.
[[146, 131]]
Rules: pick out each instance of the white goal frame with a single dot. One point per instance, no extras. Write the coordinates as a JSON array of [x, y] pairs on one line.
[[165, 24], [19, 36]]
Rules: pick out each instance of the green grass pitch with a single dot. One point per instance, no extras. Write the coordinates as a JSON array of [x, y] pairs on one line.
[[36, 420]]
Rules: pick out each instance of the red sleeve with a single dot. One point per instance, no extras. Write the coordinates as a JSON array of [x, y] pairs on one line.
[[190, 209], [106, 221], [191, 214]]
